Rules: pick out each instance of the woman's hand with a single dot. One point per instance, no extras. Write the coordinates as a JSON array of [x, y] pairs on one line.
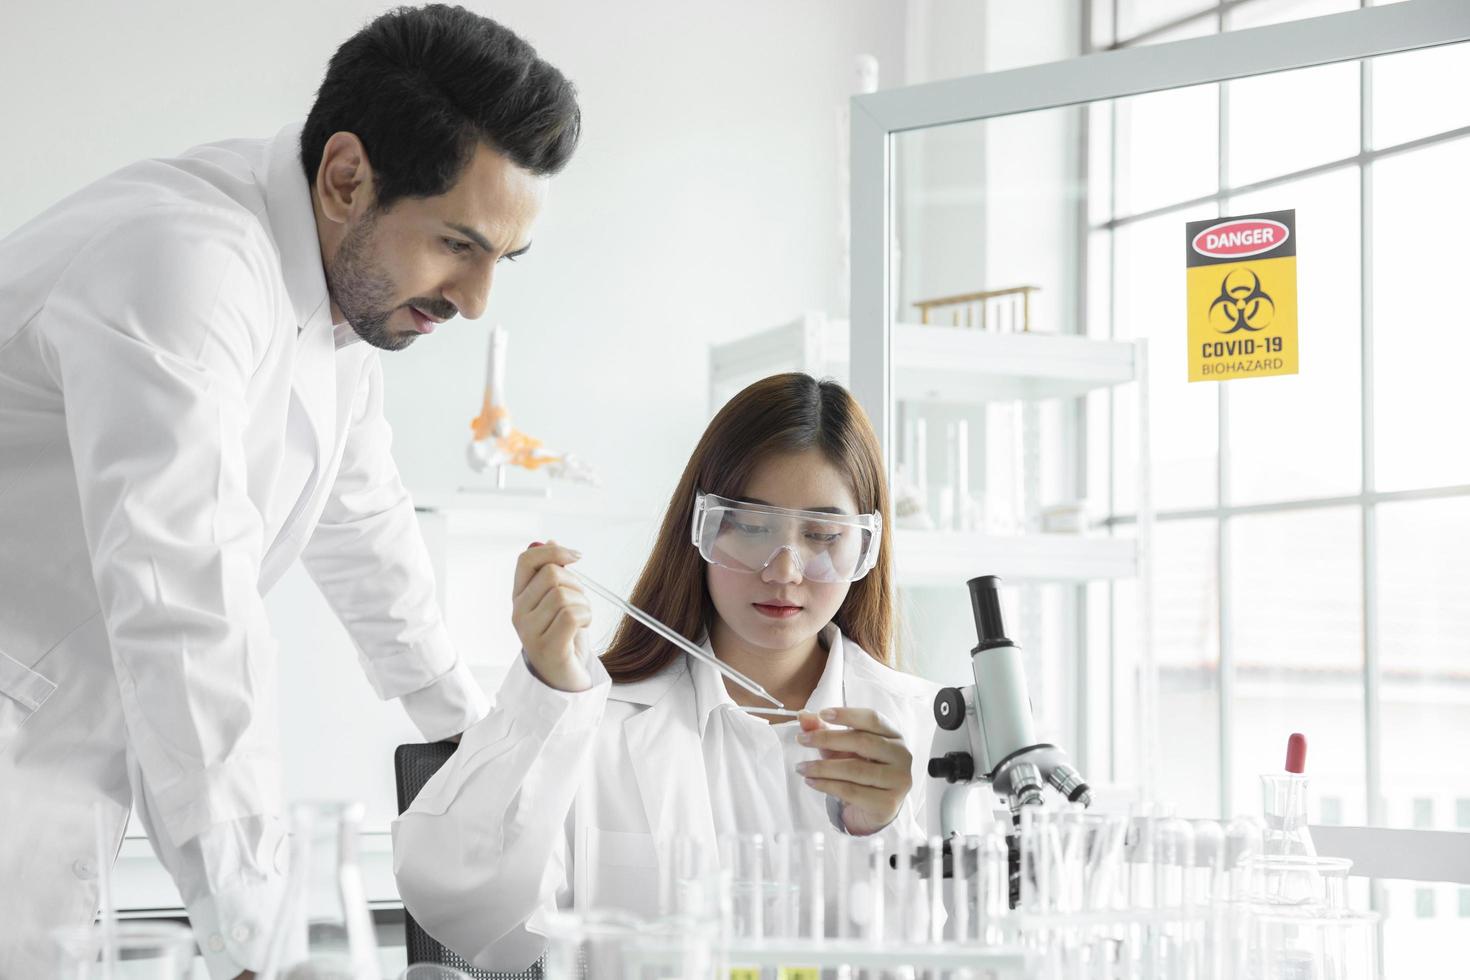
[[548, 611], [866, 766]]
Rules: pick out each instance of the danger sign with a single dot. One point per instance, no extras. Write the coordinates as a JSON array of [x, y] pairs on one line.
[[1241, 275]]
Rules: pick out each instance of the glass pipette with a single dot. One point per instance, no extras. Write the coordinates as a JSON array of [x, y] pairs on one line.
[[677, 640]]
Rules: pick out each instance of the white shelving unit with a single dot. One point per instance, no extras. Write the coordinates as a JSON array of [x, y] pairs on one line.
[[958, 365], [932, 363]]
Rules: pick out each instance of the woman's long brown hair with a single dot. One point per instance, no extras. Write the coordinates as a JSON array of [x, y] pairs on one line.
[[785, 413]]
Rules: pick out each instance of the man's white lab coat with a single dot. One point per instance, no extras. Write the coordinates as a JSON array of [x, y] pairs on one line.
[[177, 426]]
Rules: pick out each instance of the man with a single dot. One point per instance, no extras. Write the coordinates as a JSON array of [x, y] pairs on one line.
[[190, 399]]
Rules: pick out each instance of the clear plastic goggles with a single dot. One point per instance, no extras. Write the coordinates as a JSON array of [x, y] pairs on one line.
[[747, 538]]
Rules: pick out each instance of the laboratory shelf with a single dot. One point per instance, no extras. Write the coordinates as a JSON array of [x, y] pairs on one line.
[[945, 558], [934, 363]]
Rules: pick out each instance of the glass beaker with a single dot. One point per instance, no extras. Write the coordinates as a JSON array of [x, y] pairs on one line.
[[1318, 883], [1296, 945], [323, 930], [139, 950]]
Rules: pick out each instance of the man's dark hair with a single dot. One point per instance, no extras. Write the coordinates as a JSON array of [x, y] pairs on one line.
[[423, 86]]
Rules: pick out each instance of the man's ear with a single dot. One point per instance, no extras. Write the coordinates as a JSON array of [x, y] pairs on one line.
[[344, 180]]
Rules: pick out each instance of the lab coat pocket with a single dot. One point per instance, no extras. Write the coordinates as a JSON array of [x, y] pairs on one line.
[[22, 691], [624, 871]]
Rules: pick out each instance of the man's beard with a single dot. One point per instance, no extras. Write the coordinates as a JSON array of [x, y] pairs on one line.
[[363, 291]]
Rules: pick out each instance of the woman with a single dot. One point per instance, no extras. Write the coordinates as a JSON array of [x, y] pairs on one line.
[[774, 553]]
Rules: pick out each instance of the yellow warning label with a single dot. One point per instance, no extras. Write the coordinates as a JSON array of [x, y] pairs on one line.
[[1241, 276], [799, 973], [745, 973]]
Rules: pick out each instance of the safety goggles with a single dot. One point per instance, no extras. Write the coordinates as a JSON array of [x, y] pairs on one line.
[[747, 538]]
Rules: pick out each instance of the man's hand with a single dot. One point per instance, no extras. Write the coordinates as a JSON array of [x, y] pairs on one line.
[[865, 765]]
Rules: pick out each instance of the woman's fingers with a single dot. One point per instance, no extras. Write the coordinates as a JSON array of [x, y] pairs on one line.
[[878, 748], [539, 621], [534, 558], [547, 580], [859, 771], [862, 719], [867, 798]]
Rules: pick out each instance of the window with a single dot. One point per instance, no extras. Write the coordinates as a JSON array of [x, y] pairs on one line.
[[1423, 814], [1334, 505], [1424, 903]]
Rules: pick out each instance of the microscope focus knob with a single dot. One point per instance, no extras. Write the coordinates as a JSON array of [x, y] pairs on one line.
[[949, 708], [954, 767]]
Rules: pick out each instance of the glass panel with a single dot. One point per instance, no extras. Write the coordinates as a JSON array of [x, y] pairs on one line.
[[1424, 642], [1148, 301], [1422, 929], [1262, 12], [1297, 625], [1166, 148], [1287, 122], [1137, 16], [1301, 435], [1400, 110], [1186, 646], [1421, 201]]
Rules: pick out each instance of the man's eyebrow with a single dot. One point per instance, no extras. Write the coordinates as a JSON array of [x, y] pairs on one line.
[[484, 242]]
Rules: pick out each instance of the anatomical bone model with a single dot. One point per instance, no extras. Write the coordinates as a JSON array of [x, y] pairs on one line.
[[496, 443]]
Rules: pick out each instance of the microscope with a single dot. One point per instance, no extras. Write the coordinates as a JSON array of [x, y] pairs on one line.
[[986, 733]]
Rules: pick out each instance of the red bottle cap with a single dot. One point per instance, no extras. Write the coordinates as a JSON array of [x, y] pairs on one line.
[[1296, 753]]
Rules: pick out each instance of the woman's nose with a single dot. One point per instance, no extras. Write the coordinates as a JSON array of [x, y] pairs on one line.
[[784, 566]]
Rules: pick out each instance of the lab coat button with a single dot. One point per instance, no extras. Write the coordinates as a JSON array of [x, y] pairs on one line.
[[241, 933], [216, 943], [83, 869]]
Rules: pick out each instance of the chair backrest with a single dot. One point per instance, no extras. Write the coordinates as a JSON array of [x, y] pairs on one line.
[[413, 765]]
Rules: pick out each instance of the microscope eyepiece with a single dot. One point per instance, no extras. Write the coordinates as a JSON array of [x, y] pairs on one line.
[[985, 603]]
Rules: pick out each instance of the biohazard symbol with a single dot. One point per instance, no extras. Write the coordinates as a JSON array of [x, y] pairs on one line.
[[1242, 304]]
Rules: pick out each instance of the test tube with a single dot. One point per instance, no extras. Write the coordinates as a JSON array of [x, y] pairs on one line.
[[935, 881], [813, 892], [964, 869], [1208, 895], [782, 905], [1173, 858], [905, 887], [874, 867], [750, 887], [1244, 837], [1040, 852], [1106, 866], [993, 886], [1140, 851]]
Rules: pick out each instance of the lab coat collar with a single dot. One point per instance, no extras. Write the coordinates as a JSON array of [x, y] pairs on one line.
[[293, 226], [650, 690], [710, 692]]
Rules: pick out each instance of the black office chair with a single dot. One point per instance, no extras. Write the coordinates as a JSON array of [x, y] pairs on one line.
[[412, 766]]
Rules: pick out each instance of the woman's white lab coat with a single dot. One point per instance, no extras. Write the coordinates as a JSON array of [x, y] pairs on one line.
[[177, 426], [556, 798]]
